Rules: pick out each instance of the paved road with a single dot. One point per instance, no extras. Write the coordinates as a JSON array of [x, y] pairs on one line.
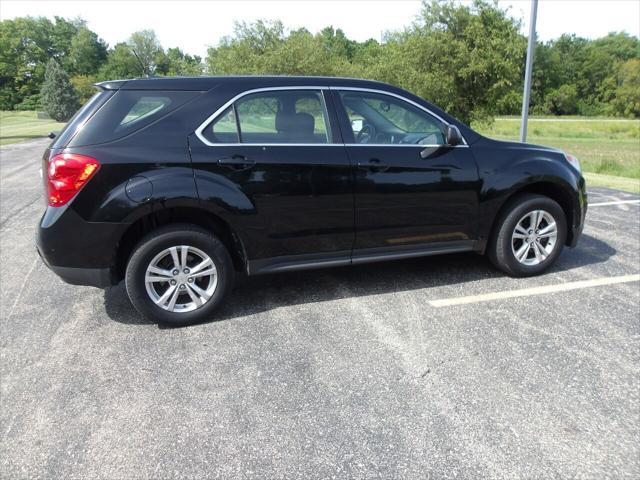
[[341, 373]]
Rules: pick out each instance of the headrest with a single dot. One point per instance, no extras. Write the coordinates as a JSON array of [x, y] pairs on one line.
[[300, 123]]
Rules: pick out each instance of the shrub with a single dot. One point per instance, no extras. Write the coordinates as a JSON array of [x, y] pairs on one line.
[[563, 101], [32, 102], [84, 86]]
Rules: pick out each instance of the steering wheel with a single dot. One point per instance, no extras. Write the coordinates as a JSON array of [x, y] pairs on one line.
[[366, 133]]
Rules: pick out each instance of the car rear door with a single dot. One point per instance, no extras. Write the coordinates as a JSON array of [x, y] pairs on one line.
[[404, 201], [275, 159]]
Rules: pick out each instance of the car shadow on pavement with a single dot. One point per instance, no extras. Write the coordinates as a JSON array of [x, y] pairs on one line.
[[265, 292]]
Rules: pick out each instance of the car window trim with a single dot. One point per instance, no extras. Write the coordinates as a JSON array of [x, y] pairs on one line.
[[322, 89], [409, 101], [232, 101]]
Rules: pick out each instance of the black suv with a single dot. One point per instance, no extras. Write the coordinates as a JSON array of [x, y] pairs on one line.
[[177, 184]]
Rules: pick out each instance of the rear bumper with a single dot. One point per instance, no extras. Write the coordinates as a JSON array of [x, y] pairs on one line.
[[79, 252]]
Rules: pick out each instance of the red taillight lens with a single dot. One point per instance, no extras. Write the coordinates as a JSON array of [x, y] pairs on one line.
[[68, 172]]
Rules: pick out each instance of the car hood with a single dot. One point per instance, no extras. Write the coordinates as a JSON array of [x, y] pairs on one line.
[[518, 145]]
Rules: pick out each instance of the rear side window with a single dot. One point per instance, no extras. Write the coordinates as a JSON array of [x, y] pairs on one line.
[[143, 108], [279, 116], [126, 112]]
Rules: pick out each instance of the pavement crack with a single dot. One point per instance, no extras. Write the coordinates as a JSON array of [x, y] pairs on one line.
[[24, 283], [19, 211]]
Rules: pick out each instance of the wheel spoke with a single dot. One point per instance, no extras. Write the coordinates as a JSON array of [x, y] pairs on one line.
[[153, 279], [205, 263], [205, 273], [538, 252], [549, 230], [184, 252], [172, 302], [174, 256], [542, 250], [203, 294], [539, 217], [158, 271], [195, 298], [517, 235], [521, 230], [165, 296], [523, 251]]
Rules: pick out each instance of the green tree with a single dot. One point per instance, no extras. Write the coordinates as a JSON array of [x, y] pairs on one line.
[[61, 35], [59, 98], [146, 49], [247, 51], [25, 46], [467, 58], [176, 62], [86, 53], [627, 95], [463, 58], [83, 85], [121, 63], [563, 101]]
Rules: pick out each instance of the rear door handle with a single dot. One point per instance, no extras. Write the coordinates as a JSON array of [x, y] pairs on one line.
[[237, 161], [374, 165]]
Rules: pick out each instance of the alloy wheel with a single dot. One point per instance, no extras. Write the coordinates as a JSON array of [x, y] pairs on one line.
[[181, 279], [534, 237]]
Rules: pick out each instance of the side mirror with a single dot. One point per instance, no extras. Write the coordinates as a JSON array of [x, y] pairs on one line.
[[52, 135], [454, 137]]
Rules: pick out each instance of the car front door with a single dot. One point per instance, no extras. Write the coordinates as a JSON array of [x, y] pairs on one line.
[[412, 191], [278, 151]]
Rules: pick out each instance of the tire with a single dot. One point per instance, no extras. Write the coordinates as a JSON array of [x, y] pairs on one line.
[[506, 243], [155, 249]]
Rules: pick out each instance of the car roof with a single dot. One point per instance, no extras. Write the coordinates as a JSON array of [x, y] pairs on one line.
[[247, 81]]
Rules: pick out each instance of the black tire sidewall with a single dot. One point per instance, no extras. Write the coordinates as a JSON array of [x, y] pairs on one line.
[[502, 254], [164, 238]]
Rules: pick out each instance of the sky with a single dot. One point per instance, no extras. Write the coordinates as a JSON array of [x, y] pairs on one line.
[[195, 25]]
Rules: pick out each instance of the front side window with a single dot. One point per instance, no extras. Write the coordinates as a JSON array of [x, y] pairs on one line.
[[279, 116], [225, 129], [382, 119]]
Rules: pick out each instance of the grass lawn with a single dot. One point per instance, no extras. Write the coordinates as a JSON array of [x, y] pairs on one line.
[[608, 148], [20, 126]]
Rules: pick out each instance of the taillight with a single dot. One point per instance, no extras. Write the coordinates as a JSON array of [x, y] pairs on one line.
[[68, 172]]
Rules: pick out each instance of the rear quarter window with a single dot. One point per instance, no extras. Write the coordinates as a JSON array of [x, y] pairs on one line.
[[128, 111]]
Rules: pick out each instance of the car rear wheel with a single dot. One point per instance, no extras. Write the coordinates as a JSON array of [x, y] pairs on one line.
[[529, 236], [179, 275]]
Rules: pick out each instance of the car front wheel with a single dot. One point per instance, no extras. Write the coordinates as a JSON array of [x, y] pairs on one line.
[[179, 275], [529, 236]]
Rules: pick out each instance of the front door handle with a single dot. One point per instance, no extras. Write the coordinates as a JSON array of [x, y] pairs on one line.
[[238, 162], [374, 164]]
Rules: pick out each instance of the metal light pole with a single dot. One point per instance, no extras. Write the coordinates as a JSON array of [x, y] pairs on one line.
[[528, 70]]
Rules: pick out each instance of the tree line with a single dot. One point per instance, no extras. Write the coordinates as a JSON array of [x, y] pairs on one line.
[[468, 59]]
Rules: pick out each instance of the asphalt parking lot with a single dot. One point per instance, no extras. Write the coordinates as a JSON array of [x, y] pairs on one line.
[[377, 371]]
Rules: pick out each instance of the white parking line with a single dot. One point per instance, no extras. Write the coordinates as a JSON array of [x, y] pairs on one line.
[[525, 292], [617, 202]]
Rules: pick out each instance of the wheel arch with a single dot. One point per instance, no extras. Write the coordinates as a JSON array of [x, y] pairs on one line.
[[179, 214], [551, 189]]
